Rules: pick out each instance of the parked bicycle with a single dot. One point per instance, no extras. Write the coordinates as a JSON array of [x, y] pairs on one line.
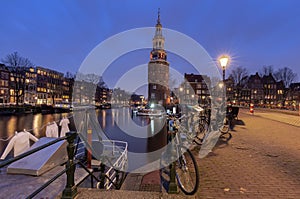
[[198, 126], [186, 168]]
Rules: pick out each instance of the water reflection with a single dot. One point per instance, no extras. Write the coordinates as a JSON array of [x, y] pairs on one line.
[[143, 134], [32, 123]]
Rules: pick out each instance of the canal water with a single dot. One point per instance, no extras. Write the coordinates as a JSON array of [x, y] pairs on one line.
[[144, 134]]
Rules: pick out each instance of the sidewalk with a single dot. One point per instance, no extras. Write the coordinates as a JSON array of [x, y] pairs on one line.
[[277, 116]]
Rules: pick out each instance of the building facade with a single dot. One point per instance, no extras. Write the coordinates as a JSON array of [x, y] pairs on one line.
[[50, 88], [293, 96], [269, 89], [195, 89], [4, 85], [30, 95], [17, 76]]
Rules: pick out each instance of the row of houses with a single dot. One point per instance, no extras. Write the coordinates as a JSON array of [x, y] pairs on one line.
[[34, 86], [262, 91], [42, 86]]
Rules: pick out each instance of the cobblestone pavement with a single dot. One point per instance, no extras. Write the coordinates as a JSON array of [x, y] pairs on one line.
[[262, 160], [277, 116]]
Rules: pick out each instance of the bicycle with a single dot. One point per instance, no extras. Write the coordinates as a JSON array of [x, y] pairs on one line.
[[196, 126], [186, 169], [200, 125]]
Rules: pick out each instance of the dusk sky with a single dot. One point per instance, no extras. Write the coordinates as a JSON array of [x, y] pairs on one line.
[[59, 34]]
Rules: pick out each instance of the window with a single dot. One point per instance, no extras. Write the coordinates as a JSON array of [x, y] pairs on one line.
[[152, 95], [154, 87]]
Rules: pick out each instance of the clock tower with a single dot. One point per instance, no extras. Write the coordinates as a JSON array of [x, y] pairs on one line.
[[158, 69]]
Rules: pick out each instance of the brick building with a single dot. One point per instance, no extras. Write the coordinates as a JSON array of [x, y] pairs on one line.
[[4, 84]]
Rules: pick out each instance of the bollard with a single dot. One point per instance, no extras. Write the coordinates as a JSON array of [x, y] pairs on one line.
[[252, 108], [70, 190], [89, 153]]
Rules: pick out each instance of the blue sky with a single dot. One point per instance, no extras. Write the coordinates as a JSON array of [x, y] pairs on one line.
[[59, 34]]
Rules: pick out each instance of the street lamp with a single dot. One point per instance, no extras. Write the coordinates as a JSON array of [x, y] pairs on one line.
[[223, 61]]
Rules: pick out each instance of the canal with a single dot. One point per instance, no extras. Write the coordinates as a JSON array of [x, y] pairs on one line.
[[144, 134]]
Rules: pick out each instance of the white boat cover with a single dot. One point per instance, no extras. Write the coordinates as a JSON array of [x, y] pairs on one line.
[[42, 161]]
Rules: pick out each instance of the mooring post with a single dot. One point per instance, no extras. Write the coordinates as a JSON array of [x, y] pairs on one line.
[[172, 185], [70, 190]]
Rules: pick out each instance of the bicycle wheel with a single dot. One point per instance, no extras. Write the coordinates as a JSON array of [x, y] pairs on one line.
[[226, 136], [187, 174], [203, 129]]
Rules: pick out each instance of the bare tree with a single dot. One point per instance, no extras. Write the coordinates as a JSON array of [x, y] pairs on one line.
[[70, 75], [238, 74], [16, 60], [18, 66], [172, 82], [286, 75], [266, 70], [101, 83]]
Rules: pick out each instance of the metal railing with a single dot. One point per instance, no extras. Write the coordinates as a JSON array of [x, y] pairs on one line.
[[117, 149], [107, 179]]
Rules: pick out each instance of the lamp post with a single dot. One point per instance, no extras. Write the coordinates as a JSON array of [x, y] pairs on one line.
[[224, 59]]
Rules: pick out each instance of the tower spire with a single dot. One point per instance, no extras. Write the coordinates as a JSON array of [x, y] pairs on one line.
[[158, 16]]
